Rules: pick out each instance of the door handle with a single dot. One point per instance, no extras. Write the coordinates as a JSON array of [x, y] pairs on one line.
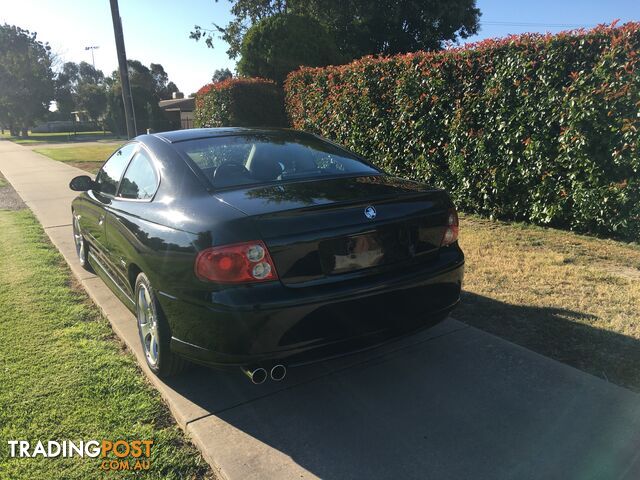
[[101, 220]]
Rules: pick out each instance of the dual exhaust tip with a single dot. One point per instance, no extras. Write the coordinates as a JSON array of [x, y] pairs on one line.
[[259, 375]]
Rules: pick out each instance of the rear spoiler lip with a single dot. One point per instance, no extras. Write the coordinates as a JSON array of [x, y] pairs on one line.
[[373, 200]]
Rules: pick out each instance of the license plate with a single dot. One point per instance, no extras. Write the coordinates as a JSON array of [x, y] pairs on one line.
[[357, 252]]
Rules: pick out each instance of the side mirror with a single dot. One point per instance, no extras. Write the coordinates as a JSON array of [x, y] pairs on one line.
[[81, 183]]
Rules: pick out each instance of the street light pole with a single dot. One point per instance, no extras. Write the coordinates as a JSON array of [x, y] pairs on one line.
[[124, 69], [93, 60]]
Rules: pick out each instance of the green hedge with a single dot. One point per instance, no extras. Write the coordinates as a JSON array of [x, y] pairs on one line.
[[240, 102], [537, 128]]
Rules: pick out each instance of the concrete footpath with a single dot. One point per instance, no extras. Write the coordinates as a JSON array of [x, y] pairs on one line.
[[451, 403]]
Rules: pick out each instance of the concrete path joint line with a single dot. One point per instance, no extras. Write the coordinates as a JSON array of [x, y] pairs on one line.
[[58, 226]]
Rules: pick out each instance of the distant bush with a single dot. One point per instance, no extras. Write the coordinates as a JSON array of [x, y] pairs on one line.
[[543, 128], [240, 102]]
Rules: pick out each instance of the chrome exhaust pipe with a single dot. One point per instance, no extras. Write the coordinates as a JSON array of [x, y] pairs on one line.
[[256, 375], [278, 372]]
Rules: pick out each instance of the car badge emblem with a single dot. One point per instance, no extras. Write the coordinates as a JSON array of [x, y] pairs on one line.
[[370, 212]]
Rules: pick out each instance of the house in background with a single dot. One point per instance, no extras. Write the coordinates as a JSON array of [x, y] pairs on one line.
[[179, 109]]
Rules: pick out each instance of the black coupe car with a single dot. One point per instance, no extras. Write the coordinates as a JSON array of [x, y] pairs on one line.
[[264, 248]]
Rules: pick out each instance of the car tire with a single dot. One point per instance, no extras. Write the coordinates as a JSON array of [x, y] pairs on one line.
[[154, 331], [82, 247]]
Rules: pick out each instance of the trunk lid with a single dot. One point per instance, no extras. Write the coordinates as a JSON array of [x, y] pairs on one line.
[[333, 229]]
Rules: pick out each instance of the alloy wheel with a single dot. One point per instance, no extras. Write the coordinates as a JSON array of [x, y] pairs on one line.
[[148, 324], [78, 240]]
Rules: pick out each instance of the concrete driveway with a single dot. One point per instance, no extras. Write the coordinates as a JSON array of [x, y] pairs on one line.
[[453, 402]]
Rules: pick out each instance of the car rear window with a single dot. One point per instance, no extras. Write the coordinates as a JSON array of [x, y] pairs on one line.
[[236, 160]]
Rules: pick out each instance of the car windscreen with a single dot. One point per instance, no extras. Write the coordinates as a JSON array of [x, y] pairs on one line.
[[247, 159]]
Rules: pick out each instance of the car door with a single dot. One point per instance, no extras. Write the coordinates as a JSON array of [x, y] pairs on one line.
[[125, 230], [92, 217]]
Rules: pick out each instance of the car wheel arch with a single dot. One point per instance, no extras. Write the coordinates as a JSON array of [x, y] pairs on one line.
[[132, 274]]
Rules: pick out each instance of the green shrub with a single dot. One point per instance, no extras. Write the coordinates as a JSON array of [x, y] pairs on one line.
[[240, 102], [543, 128]]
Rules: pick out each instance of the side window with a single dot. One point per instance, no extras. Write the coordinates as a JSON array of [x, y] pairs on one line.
[[110, 173], [140, 180]]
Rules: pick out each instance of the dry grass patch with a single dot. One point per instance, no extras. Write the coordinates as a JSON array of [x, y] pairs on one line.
[[571, 297]]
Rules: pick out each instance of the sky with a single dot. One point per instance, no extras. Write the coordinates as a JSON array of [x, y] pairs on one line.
[[157, 31]]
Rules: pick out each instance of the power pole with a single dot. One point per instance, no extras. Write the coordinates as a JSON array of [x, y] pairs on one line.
[[124, 70]]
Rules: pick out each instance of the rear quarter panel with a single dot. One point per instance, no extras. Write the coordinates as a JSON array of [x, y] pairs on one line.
[[163, 239]]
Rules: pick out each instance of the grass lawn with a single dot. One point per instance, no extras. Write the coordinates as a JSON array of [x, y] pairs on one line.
[[85, 157], [63, 375], [60, 137], [570, 297]]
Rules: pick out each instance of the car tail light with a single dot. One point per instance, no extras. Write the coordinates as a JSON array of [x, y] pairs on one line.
[[237, 263], [451, 232]]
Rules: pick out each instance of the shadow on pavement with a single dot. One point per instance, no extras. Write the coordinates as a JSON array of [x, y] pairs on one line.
[[219, 390], [457, 403], [561, 334]]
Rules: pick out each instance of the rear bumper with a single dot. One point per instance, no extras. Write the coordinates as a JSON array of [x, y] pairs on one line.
[[269, 322]]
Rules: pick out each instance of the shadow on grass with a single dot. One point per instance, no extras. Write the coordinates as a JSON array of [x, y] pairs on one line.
[[561, 334]]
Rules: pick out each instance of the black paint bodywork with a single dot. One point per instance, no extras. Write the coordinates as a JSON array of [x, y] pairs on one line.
[[318, 307]]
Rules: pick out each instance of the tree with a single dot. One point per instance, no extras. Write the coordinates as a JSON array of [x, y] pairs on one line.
[[92, 98], [26, 78], [163, 87], [246, 12], [276, 45], [388, 27], [65, 81], [80, 87], [87, 73], [149, 85], [221, 74], [359, 27]]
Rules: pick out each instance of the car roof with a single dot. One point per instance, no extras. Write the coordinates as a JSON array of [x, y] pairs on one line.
[[198, 133]]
